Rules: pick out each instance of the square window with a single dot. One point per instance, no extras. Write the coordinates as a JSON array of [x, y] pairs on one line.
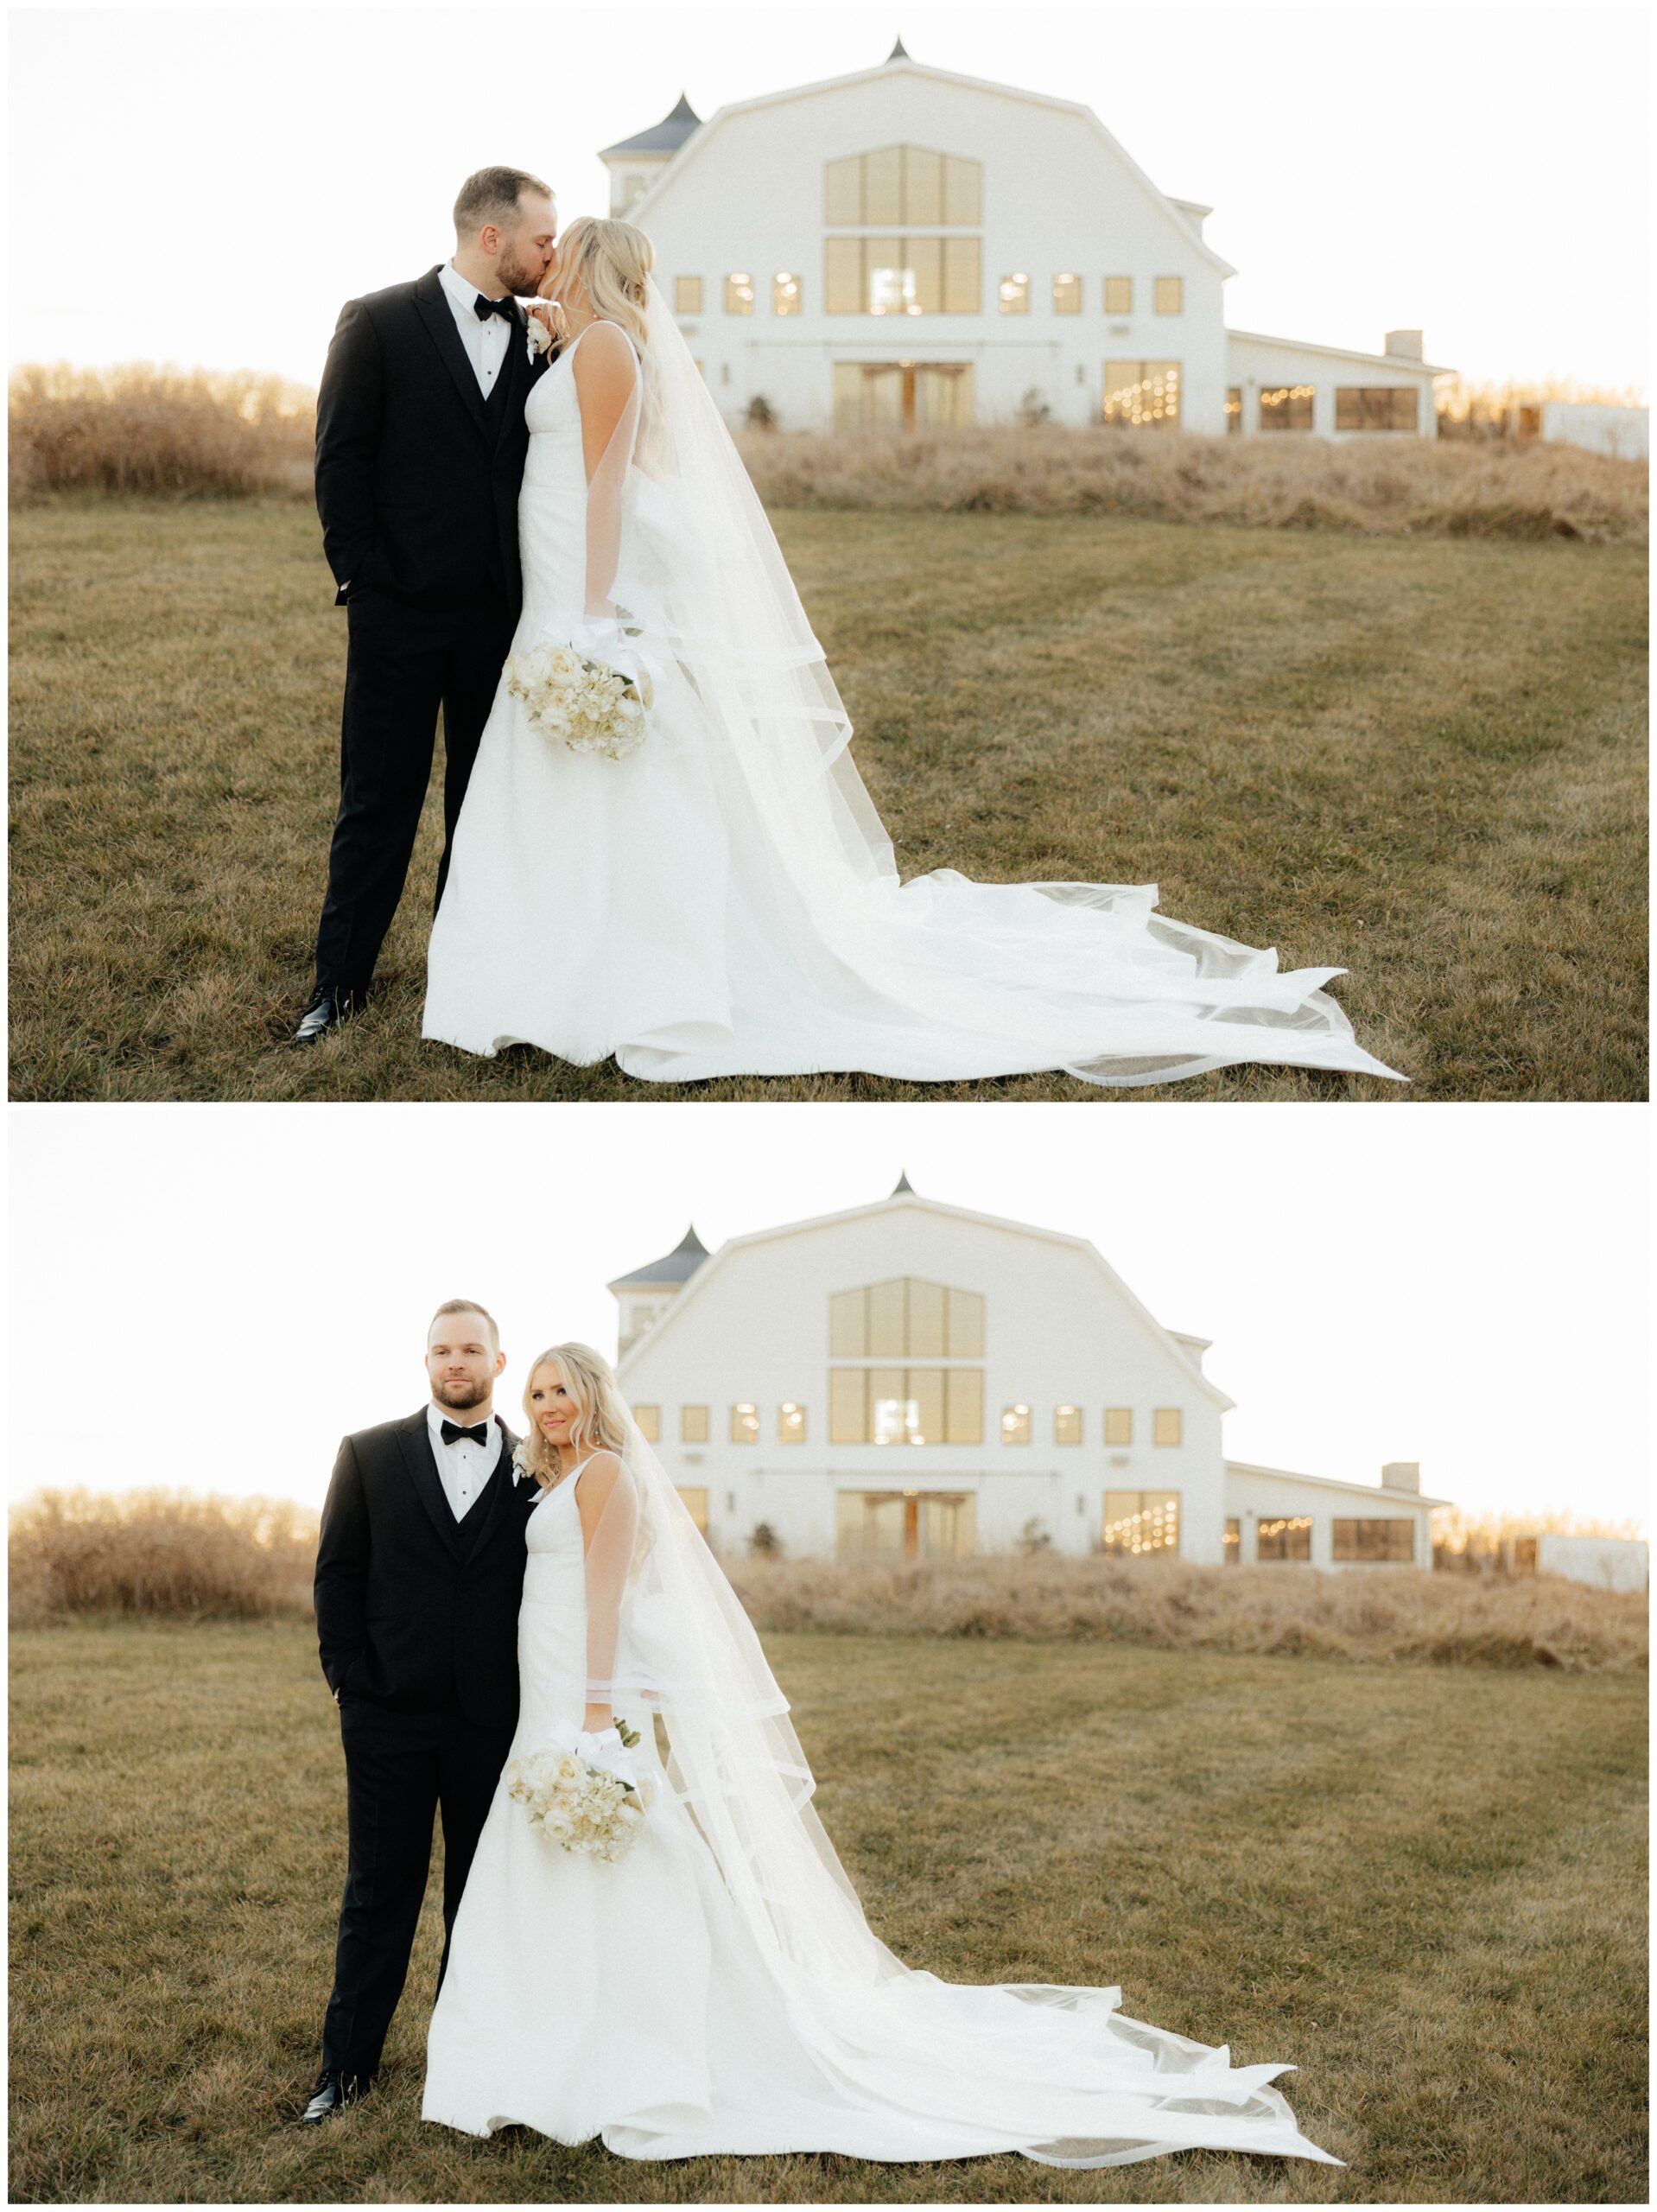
[[1067, 1424], [1286, 407], [1142, 395], [739, 294], [687, 295], [1015, 295], [1171, 295], [1119, 296], [1067, 295], [1141, 1522], [786, 293], [745, 1424], [693, 1424], [650, 1423], [1283, 1537], [1119, 1425], [1015, 1425], [1167, 1425], [790, 1422]]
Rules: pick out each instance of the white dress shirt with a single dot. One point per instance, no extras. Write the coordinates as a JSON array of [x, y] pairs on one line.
[[485, 341], [463, 1467]]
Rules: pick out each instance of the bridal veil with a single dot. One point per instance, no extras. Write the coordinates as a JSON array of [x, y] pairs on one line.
[[1057, 2073]]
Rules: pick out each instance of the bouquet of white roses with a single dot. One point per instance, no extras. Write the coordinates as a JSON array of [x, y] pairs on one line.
[[579, 702], [580, 1794]]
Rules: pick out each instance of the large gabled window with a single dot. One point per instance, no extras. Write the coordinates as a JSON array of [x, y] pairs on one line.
[[900, 1349], [900, 185]]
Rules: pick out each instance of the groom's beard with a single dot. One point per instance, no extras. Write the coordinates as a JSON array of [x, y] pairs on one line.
[[460, 1397], [520, 277]]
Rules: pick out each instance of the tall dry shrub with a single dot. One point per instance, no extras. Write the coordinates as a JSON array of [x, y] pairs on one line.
[[1394, 1614], [1385, 488], [162, 431], [156, 1551]]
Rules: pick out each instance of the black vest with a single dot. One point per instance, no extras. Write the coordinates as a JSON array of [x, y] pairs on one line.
[[416, 1611]]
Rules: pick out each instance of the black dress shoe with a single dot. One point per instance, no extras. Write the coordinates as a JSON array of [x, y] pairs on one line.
[[333, 2093], [330, 1006]]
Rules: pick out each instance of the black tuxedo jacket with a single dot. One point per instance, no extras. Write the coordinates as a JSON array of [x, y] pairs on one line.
[[417, 475], [415, 1610]]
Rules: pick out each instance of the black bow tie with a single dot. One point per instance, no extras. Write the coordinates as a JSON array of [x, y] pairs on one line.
[[453, 1433], [483, 308]]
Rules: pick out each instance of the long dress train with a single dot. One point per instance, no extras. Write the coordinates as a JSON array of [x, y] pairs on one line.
[[632, 2002], [724, 901]]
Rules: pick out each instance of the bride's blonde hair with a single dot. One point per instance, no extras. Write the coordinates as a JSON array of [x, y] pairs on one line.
[[612, 259], [601, 1423]]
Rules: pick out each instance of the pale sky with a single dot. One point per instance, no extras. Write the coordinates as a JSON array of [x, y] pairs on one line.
[[210, 1296], [206, 186]]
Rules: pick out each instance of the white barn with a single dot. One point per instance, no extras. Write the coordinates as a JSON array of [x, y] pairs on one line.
[[905, 247], [913, 1379]]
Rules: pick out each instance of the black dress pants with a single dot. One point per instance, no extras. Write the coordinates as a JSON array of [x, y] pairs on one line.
[[400, 1770], [402, 665]]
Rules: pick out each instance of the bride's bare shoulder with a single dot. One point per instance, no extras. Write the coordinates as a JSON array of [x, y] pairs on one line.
[[603, 355]]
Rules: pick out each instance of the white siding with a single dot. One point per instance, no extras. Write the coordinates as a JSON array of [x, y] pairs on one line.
[[1057, 1332], [1257, 364], [1602, 1562], [752, 198], [1257, 1494]]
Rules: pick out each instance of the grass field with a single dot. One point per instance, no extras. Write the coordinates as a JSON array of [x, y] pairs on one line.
[[1422, 759], [1421, 1886]]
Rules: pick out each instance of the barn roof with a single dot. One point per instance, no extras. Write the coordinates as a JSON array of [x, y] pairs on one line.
[[676, 1266], [1345, 353], [664, 138], [1378, 1493], [899, 62], [721, 1260]]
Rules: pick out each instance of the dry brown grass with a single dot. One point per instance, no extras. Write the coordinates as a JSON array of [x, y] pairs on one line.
[[1422, 759], [194, 434], [156, 1551], [1416, 486], [1423, 1886], [182, 434], [162, 1552], [1394, 1614]]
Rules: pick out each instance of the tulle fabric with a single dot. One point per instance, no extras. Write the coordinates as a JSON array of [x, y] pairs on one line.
[[718, 1989], [727, 901]]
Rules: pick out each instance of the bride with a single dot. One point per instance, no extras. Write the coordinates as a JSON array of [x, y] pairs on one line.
[[717, 1988], [724, 900]]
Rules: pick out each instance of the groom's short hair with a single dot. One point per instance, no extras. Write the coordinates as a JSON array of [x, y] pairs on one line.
[[465, 1306], [492, 196]]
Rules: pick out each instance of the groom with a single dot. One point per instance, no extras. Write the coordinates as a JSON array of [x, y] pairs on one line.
[[420, 449], [419, 1573]]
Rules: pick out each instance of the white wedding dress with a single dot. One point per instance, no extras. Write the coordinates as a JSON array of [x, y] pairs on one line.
[[645, 2002], [725, 901]]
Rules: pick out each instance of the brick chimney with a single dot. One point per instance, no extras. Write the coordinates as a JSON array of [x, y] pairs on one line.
[[1402, 1474], [1408, 345]]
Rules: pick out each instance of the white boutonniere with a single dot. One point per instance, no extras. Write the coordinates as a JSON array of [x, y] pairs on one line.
[[539, 333], [521, 1469]]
